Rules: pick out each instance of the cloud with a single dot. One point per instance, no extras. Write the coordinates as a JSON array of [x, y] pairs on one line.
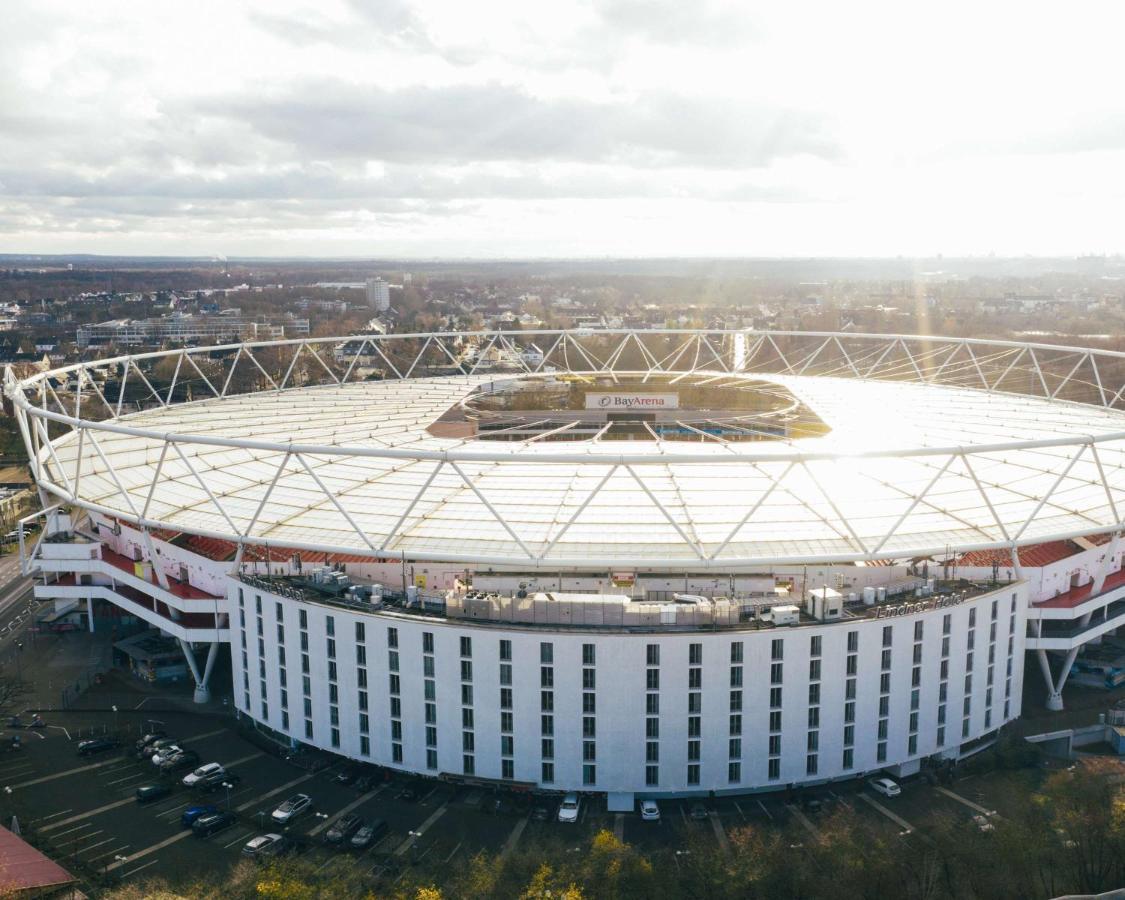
[[325, 119]]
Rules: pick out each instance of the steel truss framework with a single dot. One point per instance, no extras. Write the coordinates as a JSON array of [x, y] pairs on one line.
[[165, 447]]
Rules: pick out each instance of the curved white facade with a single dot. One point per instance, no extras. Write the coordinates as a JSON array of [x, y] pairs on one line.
[[984, 461], [717, 715]]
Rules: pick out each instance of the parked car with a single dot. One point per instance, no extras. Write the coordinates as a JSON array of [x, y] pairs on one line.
[[195, 812], [212, 823], [165, 753], [96, 745], [150, 793], [205, 773], [153, 747], [185, 759], [410, 792], [569, 809], [540, 812], [295, 806], [343, 829], [347, 775], [983, 823], [699, 812], [210, 785], [267, 845], [650, 812], [368, 834], [365, 783], [884, 786], [147, 739]]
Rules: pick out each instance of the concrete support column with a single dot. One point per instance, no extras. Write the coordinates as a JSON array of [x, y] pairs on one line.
[[1055, 686], [202, 691], [90, 613], [1054, 698]]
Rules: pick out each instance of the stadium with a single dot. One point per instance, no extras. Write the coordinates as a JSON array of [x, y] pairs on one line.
[[638, 563]]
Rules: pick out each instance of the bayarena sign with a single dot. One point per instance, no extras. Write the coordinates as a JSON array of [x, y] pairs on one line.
[[626, 402]]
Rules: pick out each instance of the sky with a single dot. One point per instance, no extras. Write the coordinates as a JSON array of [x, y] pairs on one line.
[[634, 128]]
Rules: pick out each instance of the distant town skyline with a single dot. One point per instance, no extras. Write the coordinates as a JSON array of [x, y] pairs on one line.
[[605, 128]]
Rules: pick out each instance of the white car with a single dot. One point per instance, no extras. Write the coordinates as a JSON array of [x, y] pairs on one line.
[[291, 808], [983, 823], [650, 812], [204, 774], [569, 808], [884, 786], [164, 754]]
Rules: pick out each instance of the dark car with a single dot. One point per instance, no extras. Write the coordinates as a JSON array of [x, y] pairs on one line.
[[540, 812], [147, 739], [347, 776], [213, 823], [368, 834], [186, 759], [365, 783], [812, 804], [150, 793], [211, 785], [410, 792], [97, 745], [195, 812], [343, 829]]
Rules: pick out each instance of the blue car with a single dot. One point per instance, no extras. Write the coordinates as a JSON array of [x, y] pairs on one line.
[[194, 812]]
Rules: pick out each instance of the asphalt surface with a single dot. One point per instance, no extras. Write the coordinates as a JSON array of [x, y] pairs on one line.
[[85, 807]]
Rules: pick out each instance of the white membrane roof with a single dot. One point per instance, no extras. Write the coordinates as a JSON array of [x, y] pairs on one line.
[[906, 469]]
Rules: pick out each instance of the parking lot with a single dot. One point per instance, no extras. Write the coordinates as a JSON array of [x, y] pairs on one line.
[[84, 808]]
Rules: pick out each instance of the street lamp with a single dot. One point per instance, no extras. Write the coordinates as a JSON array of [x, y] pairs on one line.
[[227, 785], [114, 708]]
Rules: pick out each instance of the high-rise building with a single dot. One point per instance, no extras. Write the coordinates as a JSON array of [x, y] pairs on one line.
[[378, 294]]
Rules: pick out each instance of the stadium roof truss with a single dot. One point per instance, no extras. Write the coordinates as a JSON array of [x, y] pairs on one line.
[[935, 444]]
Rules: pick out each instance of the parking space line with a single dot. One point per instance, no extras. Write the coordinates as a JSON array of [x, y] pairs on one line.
[[289, 784], [453, 852], [148, 851], [136, 870], [739, 808], [58, 775], [242, 837], [126, 778], [71, 830], [108, 852], [421, 829], [61, 812], [769, 815], [720, 832], [347, 809], [81, 837], [803, 819], [897, 819], [88, 814], [964, 800], [173, 810], [513, 838], [98, 844], [244, 759]]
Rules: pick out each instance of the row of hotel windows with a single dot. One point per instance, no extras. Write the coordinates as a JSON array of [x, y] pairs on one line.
[[652, 697]]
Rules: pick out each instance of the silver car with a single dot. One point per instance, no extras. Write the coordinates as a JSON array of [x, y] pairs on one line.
[[292, 808]]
